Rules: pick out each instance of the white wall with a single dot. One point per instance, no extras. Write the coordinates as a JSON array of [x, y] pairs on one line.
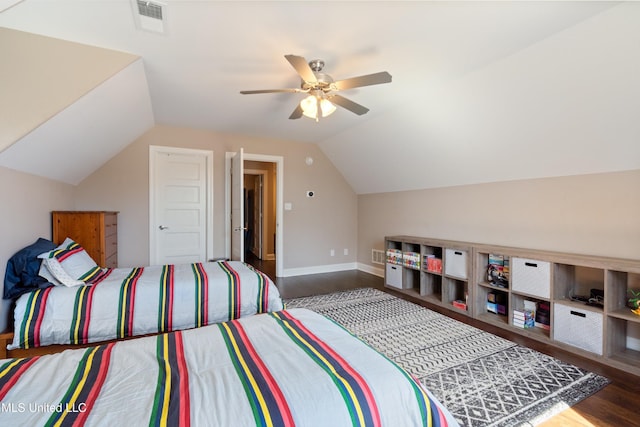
[[589, 214], [26, 215]]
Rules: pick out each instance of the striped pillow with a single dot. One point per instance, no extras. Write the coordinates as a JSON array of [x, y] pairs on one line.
[[71, 264]]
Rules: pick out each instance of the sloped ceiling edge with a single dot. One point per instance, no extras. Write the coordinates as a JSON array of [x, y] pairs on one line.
[[40, 76], [566, 105], [81, 138]]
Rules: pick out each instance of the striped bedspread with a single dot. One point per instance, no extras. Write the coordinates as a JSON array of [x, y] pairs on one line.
[[284, 368], [125, 302]]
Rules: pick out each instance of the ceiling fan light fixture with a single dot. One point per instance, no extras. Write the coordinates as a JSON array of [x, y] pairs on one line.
[[309, 107], [320, 88]]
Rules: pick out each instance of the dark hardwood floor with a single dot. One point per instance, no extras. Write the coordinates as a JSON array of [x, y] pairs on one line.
[[268, 267], [615, 405]]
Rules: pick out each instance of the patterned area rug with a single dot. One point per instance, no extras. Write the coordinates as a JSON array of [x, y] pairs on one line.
[[483, 380]]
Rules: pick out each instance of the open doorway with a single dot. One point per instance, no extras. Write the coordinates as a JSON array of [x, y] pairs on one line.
[[264, 247], [260, 215]]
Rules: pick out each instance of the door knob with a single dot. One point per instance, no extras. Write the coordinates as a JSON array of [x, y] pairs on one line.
[[162, 227]]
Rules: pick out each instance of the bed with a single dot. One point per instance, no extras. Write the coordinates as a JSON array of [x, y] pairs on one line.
[[106, 304], [292, 367]]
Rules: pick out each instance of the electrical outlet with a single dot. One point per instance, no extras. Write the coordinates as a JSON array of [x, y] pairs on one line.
[[346, 251], [332, 252]]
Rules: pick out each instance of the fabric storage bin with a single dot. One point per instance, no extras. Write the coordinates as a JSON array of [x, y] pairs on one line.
[[455, 263], [578, 327], [393, 276], [531, 277]]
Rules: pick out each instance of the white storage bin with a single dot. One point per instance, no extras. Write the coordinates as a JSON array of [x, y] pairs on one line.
[[531, 277], [455, 263], [577, 327], [393, 276]]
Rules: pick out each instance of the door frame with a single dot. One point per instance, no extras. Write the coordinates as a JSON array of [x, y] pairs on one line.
[[237, 218], [279, 161], [208, 154]]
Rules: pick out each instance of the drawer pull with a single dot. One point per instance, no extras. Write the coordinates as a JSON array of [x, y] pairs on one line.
[[394, 268], [577, 313], [530, 264], [458, 253]]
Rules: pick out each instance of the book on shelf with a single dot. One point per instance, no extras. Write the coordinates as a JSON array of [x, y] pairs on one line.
[[411, 260], [394, 256], [523, 325], [462, 305], [530, 305], [543, 315], [496, 270], [496, 259], [496, 303], [523, 318], [544, 326], [505, 270], [523, 314], [492, 307], [433, 264]]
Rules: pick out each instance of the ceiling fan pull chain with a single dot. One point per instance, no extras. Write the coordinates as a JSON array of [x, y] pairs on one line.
[[318, 111]]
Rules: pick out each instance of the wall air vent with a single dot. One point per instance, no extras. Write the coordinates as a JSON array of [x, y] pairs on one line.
[[150, 15], [378, 256]]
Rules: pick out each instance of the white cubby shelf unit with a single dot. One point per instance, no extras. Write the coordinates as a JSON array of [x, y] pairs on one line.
[[581, 301]]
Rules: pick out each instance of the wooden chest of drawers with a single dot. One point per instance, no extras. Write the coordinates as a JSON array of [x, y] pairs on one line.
[[95, 231]]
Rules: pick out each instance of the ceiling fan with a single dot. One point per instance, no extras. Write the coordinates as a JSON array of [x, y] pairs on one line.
[[321, 89]]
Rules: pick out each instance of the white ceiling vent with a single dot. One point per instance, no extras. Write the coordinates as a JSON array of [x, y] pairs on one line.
[[150, 15]]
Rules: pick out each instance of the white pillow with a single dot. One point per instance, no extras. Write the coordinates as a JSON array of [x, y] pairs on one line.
[[59, 273], [71, 264], [46, 274]]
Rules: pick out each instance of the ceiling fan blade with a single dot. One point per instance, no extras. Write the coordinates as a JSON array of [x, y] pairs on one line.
[[368, 80], [302, 67], [348, 104], [251, 92], [297, 113]]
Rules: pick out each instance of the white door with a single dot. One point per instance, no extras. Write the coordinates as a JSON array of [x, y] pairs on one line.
[[181, 202], [237, 206]]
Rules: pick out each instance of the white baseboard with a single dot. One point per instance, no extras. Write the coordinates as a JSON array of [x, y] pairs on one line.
[[316, 269], [330, 268], [371, 269]]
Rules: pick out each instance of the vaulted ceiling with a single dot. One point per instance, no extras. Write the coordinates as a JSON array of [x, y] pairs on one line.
[[481, 91]]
